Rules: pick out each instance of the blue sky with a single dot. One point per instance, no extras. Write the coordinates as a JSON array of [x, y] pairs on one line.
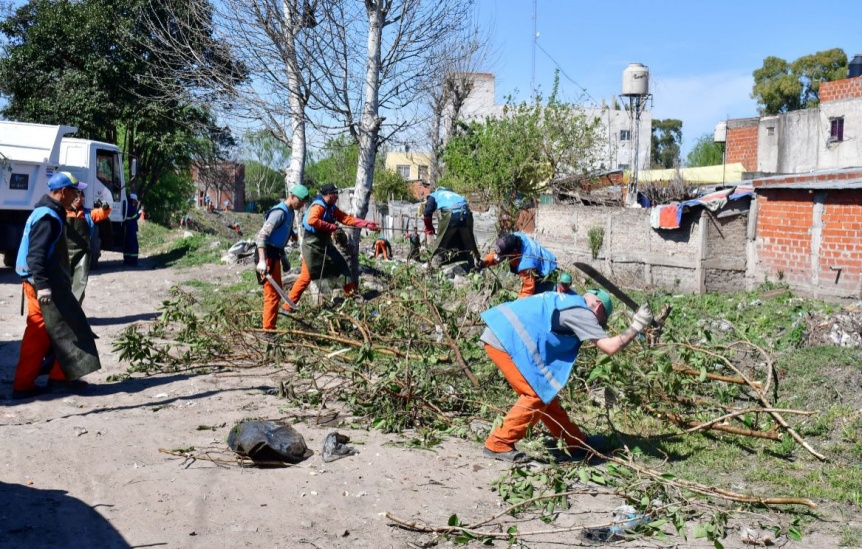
[[701, 54]]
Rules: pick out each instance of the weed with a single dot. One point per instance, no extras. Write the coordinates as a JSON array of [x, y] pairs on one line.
[[596, 236]]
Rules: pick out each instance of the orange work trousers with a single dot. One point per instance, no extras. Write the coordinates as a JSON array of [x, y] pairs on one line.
[[34, 346], [380, 249], [271, 298], [528, 411], [305, 279]]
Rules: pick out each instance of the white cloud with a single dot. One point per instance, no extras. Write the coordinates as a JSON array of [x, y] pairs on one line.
[[701, 101]]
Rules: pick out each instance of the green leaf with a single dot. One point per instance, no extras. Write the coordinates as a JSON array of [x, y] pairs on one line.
[[453, 520], [794, 534], [702, 374], [699, 531]]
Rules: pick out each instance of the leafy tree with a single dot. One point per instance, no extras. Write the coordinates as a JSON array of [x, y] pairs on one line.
[[780, 86], [666, 140], [264, 156], [705, 152], [513, 157], [82, 63], [338, 164]]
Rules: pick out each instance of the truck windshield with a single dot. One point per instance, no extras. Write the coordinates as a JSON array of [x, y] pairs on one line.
[[108, 170]]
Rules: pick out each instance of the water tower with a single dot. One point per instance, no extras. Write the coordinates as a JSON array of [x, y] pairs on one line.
[[636, 90]]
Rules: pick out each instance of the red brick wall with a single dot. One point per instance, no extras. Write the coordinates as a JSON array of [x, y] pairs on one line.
[[841, 240], [784, 234], [848, 88], [742, 146]]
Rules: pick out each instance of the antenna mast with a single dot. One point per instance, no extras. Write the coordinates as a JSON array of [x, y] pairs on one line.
[[533, 64]]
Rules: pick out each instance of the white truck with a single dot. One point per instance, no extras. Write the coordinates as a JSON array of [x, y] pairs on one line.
[[31, 153]]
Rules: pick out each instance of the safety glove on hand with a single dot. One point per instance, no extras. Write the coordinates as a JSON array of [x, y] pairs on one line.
[[44, 296], [643, 318], [261, 267]]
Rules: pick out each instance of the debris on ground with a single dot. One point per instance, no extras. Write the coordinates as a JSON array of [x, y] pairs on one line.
[[268, 441], [335, 447]]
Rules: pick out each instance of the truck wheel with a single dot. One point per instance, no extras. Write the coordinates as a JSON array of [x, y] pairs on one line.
[[8, 258]]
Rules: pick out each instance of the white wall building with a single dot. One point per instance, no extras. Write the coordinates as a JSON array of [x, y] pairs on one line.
[[617, 125]]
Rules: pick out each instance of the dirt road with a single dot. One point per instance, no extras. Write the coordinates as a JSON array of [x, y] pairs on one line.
[[86, 471]]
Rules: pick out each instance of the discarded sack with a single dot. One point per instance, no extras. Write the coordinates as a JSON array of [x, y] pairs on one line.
[[268, 441], [335, 447]]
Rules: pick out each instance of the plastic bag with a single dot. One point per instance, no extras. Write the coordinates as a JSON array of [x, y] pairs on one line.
[[268, 441]]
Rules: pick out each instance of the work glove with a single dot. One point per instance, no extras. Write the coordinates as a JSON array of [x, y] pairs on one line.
[[372, 226], [105, 206], [643, 318], [44, 296], [261, 267]]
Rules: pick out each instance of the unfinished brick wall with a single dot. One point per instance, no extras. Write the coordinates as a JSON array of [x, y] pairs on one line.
[[784, 235], [841, 242], [811, 239], [742, 143], [849, 88]]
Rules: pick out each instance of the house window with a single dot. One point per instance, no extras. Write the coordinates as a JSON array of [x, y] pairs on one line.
[[625, 135], [770, 130], [622, 167], [836, 129], [403, 171], [423, 173]]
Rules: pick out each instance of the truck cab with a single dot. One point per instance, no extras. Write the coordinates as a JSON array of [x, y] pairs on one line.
[[30, 154]]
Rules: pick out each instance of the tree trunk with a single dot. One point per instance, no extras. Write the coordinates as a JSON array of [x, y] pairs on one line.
[[369, 126], [292, 17]]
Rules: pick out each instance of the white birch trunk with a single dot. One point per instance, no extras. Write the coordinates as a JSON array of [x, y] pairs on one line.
[[369, 125], [293, 18]]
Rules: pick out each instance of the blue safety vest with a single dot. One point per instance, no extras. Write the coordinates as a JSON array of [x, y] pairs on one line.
[[21, 266], [328, 214], [90, 224], [535, 256], [279, 235], [523, 327], [447, 200]]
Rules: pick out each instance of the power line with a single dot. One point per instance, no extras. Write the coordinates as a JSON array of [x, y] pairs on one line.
[[563, 72]]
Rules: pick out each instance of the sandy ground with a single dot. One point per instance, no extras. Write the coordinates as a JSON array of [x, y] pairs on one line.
[[86, 471]]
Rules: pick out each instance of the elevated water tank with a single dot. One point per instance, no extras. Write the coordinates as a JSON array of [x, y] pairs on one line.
[[854, 69], [636, 80], [720, 134]]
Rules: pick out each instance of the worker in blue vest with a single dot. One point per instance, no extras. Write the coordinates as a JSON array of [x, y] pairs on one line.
[[271, 239], [55, 320], [534, 342], [532, 262], [455, 240], [320, 258], [130, 226]]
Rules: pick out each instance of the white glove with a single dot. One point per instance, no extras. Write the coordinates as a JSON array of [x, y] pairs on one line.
[[643, 318], [261, 267], [44, 296]]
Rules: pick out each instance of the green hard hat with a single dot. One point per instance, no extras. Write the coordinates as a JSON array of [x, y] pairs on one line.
[[605, 298], [565, 278], [299, 191]]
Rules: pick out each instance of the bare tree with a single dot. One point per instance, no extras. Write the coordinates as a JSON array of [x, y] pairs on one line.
[[447, 88], [266, 39]]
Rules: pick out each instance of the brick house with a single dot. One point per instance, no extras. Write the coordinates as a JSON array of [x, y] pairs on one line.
[[805, 168], [809, 232], [221, 184]]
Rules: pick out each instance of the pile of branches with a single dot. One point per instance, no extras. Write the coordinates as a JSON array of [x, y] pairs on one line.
[[410, 359]]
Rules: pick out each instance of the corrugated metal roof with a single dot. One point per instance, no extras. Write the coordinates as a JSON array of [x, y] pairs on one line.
[[849, 185]]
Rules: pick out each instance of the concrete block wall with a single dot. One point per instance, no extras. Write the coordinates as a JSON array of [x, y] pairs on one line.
[[848, 88], [636, 254], [742, 142]]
